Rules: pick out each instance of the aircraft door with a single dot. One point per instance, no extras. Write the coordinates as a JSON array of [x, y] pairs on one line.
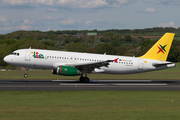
[[140, 64], [27, 55]]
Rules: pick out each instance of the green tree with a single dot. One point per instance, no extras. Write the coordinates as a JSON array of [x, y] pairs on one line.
[[105, 48], [115, 43], [128, 38], [174, 54], [77, 47], [5, 49], [49, 43], [2, 36], [109, 34]]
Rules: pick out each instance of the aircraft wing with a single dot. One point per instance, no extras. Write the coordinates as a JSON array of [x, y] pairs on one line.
[[87, 66], [90, 66]]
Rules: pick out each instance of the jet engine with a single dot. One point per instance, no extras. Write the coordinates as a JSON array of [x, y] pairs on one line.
[[66, 70]]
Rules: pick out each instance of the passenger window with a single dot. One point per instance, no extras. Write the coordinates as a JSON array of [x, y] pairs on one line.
[[17, 54]]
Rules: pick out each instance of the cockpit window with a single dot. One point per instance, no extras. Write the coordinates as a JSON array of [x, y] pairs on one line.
[[14, 53]]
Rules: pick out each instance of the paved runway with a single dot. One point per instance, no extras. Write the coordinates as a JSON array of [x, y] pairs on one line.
[[72, 85]]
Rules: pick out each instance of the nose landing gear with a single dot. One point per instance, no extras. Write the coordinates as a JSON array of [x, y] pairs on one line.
[[26, 74]]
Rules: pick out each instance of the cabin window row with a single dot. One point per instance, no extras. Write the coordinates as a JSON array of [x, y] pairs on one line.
[[83, 59], [55, 57]]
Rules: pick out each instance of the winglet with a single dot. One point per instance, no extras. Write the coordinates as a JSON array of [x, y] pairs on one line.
[[160, 50]]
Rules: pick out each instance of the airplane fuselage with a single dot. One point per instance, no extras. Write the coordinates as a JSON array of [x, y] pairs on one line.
[[50, 59]]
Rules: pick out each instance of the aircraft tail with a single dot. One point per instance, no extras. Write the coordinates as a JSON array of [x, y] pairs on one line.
[[160, 50]]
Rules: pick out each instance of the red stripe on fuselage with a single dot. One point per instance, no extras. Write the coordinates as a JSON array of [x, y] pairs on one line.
[[60, 70]]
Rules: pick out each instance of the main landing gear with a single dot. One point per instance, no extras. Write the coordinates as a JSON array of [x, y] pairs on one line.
[[26, 74], [84, 79]]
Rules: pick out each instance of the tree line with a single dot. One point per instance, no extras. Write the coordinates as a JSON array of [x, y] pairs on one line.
[[109, 42]]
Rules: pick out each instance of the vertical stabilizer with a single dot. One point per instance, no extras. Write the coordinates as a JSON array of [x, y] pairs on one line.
[[160, 50]]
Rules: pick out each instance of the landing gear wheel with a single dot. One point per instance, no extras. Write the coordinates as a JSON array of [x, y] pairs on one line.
[[84, 79], [25, 75], [81, 79]]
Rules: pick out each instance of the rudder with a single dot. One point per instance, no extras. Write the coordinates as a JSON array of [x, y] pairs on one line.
[[161, 48]]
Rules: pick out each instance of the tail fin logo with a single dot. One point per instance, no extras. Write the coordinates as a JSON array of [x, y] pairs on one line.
[[161, 48]]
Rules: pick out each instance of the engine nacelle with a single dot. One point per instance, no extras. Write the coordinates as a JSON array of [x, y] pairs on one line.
[[66, 70]]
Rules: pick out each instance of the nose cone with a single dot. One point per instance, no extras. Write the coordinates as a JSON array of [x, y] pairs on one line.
[[6, 59]]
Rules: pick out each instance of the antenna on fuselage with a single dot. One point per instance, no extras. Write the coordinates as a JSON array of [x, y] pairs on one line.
[[30, 48], [104, 53]]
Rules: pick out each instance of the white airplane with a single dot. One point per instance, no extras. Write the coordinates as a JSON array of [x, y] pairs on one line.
[[74, 63]]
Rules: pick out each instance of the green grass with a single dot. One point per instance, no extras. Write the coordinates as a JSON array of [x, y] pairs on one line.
[[90, 105], [167, 74]]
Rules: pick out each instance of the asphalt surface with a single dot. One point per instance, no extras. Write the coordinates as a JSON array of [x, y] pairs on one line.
[[73, 85]]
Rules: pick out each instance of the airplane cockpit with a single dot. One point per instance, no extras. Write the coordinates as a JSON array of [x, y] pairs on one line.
[[14, 53]]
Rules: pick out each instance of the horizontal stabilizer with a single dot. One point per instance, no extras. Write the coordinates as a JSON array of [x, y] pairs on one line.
[[167, 64]]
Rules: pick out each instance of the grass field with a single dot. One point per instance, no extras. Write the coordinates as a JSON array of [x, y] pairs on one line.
[[90, 105], [167, 74]]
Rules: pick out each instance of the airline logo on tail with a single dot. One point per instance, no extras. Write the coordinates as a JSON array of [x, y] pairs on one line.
[[161, 48]]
